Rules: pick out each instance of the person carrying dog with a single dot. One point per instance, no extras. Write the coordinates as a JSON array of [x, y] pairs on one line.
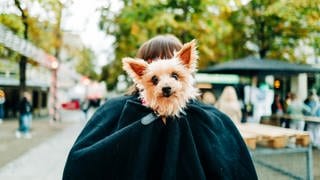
[[159, 130]]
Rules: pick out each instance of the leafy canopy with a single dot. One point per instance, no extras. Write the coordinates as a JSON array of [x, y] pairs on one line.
[[225, 30]]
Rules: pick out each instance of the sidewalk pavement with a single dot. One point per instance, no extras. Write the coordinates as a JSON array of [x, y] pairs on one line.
[[43, 156]]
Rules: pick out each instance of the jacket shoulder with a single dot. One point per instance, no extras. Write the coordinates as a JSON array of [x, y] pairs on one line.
[[211, 116], [120, 100], [105, 119], [109, 111]]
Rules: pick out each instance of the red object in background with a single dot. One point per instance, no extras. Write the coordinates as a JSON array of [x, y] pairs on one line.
[[72, 105]]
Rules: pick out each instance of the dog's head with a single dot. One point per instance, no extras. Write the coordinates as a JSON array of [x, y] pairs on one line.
[[166, 85]]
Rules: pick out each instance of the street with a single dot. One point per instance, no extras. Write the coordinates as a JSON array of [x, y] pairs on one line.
[[43, 156]]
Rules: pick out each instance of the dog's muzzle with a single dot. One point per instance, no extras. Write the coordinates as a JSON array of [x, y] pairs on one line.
[[166, 91]]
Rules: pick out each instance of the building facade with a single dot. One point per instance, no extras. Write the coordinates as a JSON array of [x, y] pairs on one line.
[[37, 82]]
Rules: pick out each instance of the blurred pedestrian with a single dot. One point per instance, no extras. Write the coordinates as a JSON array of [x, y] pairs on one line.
[[84, 107], [312, 101], [296, 109], [126, 139], [277, 105], [93, 106], [287, 102], [277, 109], [314, 128], [2, 101], [25, 117], [208, 98], [229, 104], [89, 106]]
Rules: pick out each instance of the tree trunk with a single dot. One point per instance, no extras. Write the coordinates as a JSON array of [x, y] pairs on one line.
[[22, 74], [23, 60], [54, 89], [263, 53]]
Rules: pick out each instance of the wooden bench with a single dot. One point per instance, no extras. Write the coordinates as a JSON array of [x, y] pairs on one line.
[[272, 136], [274, 118]]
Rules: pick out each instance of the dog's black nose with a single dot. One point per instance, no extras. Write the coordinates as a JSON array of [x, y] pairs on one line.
[[166, 91]]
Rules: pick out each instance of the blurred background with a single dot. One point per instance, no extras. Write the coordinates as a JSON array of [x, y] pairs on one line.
[[66, 54]]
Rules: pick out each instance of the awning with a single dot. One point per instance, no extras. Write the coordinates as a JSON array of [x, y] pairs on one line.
[[256, 66]]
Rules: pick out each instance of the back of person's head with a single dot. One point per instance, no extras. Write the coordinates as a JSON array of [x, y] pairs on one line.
[[277, 97], [208, 98], [312, 92], [229, 94], [27, 96], [289, 95], [312, 95], [294, 96], [159, 47]]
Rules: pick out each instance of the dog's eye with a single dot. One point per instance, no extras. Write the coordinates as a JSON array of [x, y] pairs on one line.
[[154, 80], [175, 76]]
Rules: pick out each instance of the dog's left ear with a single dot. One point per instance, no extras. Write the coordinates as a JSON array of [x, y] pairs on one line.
[[134, 67], [188, 55]]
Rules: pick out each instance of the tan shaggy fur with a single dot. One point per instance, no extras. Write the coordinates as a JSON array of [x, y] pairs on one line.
[[183, 64]]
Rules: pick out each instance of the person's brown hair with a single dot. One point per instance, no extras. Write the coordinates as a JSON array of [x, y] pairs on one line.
[[158, 47], [161, 47]]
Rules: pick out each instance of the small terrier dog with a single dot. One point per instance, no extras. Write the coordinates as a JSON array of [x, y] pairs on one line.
[[166, 85]]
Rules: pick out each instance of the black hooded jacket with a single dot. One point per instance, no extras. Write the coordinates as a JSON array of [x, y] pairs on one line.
[[202, 144]]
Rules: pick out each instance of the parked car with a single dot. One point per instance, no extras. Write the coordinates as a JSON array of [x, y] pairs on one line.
[[74, 104]]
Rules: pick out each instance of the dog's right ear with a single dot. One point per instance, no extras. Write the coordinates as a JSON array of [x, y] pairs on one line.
[[188, 55], [134, 67]]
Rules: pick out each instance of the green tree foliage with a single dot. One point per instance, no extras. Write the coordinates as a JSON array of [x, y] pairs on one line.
[[85, 65], [41, 31], [140, 20], [275, 28], [224, 29], [14, 23]]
